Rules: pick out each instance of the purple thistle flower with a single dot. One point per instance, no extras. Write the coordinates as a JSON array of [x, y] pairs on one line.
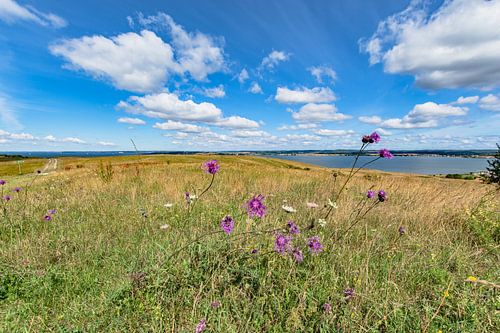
[[17, 189], [370, 194], [3, 182], [297, 255], [348, 293], [401, 230], [227, 224], [327, 307], [254, 251], [281, 243], [315, 245], [201, 326], [385, 154], [211, 167], [187, 196], [293, 228], [47, 217], [255, 207], [215, 304], [7, 197], [365, 139], [382, 196], [374, 137]]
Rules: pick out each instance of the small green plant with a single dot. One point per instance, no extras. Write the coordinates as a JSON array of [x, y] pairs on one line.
[[484, 223], [105, 172], [461, 176]]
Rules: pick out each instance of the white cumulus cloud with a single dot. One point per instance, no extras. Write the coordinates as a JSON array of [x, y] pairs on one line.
[[106, 144], [249, 134], [236, 122], [130, 61], [330, 132], [313, 112], [425, 115], [74, 140], [215, 92], [179, 126], [11, 11], [370, 119], [169, 106], [243, 76], [304, 95], [255, 88], [466, 100], [456, 46], [273, 59], [490, 102], [322, 72], [143, 62], [131, 121], [297, 127]]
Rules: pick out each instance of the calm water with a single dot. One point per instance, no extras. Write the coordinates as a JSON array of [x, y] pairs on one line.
[[428, 165]]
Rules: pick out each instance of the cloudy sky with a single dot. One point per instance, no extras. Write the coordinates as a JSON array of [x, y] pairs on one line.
[[248, 74]]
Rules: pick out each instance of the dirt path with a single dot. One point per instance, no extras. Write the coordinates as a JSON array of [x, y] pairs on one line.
[[51, 166]]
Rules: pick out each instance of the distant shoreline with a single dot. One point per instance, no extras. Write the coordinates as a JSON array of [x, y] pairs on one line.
[[482, 154], [394, 153]]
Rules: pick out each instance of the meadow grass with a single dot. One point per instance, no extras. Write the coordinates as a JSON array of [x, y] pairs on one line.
[[11, 167], [103, 264]]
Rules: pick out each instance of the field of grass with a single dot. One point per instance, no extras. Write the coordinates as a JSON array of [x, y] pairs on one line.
[[114, 258], [11, 167]]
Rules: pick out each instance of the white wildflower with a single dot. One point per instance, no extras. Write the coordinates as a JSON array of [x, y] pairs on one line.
[[288, 209], [332, 204]]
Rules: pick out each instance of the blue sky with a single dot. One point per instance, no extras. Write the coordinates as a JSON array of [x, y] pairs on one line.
[[237, 75]]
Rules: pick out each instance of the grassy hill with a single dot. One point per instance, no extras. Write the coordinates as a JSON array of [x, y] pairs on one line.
[[114, 258]]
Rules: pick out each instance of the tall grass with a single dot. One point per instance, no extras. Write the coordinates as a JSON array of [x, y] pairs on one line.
[[104, 262]]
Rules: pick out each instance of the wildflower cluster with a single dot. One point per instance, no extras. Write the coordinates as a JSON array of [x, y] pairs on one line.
[[8, 197], [50, 214], [211, 167], [381, 195], [255, 206], [284, 243], [293, 241], [227, 224]]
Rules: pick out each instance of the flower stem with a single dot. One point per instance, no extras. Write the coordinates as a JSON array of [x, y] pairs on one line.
[[357, 219], [191, 206]]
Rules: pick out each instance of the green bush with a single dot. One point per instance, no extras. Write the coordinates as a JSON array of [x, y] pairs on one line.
[[484, 223], [105, 172]]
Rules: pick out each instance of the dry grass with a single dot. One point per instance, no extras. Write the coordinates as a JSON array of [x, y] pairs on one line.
[[100, 265]]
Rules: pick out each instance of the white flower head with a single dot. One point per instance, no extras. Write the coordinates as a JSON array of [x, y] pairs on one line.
[[288, 209], [332, 204]]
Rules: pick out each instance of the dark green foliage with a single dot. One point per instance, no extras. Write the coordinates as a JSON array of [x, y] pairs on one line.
[[492, 174]]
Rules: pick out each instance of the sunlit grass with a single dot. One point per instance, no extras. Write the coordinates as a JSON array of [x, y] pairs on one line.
[[101, 265], [27, 166]]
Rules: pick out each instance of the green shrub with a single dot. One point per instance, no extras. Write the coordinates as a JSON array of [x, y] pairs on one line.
[[105, 172], [484, 223]]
